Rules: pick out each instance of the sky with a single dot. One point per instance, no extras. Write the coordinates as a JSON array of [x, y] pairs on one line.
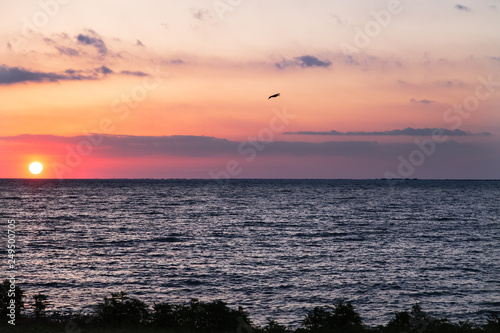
[[179, 89]]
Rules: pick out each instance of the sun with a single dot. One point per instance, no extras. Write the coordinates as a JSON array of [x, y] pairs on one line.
[[36, 168]]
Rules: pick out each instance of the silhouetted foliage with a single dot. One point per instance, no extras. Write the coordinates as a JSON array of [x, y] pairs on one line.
[[342, 318], [400, 323], [5, 299], [165, 315], [120, 310], [417, 321], [317, 319], [40, 305], [493, 323], [274, 327], [122, 314], [215, 316]]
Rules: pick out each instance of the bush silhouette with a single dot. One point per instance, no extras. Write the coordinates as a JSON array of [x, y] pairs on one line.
[[132, 315], [121, 310], [40, 305], [165, 315], [342, 318], [417, 321], [215, 316], [5, 299], [274, 327], [317, 319], [493, 323]]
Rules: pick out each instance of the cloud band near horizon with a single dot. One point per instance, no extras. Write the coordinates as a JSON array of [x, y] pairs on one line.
[[184, 156], [205, 146], [404, 132]]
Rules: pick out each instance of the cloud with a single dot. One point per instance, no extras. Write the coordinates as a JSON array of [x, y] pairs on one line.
[[67, 51], [450, 83], [406, 132], [170, 61], [422, 101], [104, 70], [93, 39], [453, 83], [462, 8], [280, 159], [310, 61], [137, 73], [196, 146], [90, 45], [176, 61], [73, 74], [126, 146], [12, 75], [202, 14], [304, 61]]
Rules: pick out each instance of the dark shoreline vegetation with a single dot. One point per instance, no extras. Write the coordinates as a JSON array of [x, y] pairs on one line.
[[121, 313]]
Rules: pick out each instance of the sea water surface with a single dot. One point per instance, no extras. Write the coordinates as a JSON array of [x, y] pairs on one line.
[[276, 247]]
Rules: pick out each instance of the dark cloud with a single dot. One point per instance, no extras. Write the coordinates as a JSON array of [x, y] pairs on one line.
[[104, 70], [177, 145], [93, 39], [198, 146], [310, 61], [118, 146], [407, 132], [462, 8], [304, 61], [73, 74], [12, 75], [128, 145], [360, 159], [422, 101], [137, 73]]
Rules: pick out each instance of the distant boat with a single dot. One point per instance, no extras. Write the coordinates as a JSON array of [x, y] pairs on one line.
[[274, 96]]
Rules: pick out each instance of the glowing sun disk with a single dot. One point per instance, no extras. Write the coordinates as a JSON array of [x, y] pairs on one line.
[[36, 168]]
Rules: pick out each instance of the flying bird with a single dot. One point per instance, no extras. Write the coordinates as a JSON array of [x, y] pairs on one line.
[[274, 96]]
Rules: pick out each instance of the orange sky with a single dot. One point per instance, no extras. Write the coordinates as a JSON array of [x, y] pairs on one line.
[[185, 70]]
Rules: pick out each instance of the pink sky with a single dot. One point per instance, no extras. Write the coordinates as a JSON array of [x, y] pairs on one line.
[[179, 90]]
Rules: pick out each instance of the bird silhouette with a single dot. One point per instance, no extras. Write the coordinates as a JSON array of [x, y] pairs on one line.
[[274, 96]]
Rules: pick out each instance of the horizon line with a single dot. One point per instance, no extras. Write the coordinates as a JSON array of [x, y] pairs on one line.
[[226, 179]]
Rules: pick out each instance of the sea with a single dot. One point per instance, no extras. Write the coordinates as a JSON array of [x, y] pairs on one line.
[[278, 248]]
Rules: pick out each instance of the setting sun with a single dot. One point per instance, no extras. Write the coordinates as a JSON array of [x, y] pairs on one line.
[[36, 168]]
